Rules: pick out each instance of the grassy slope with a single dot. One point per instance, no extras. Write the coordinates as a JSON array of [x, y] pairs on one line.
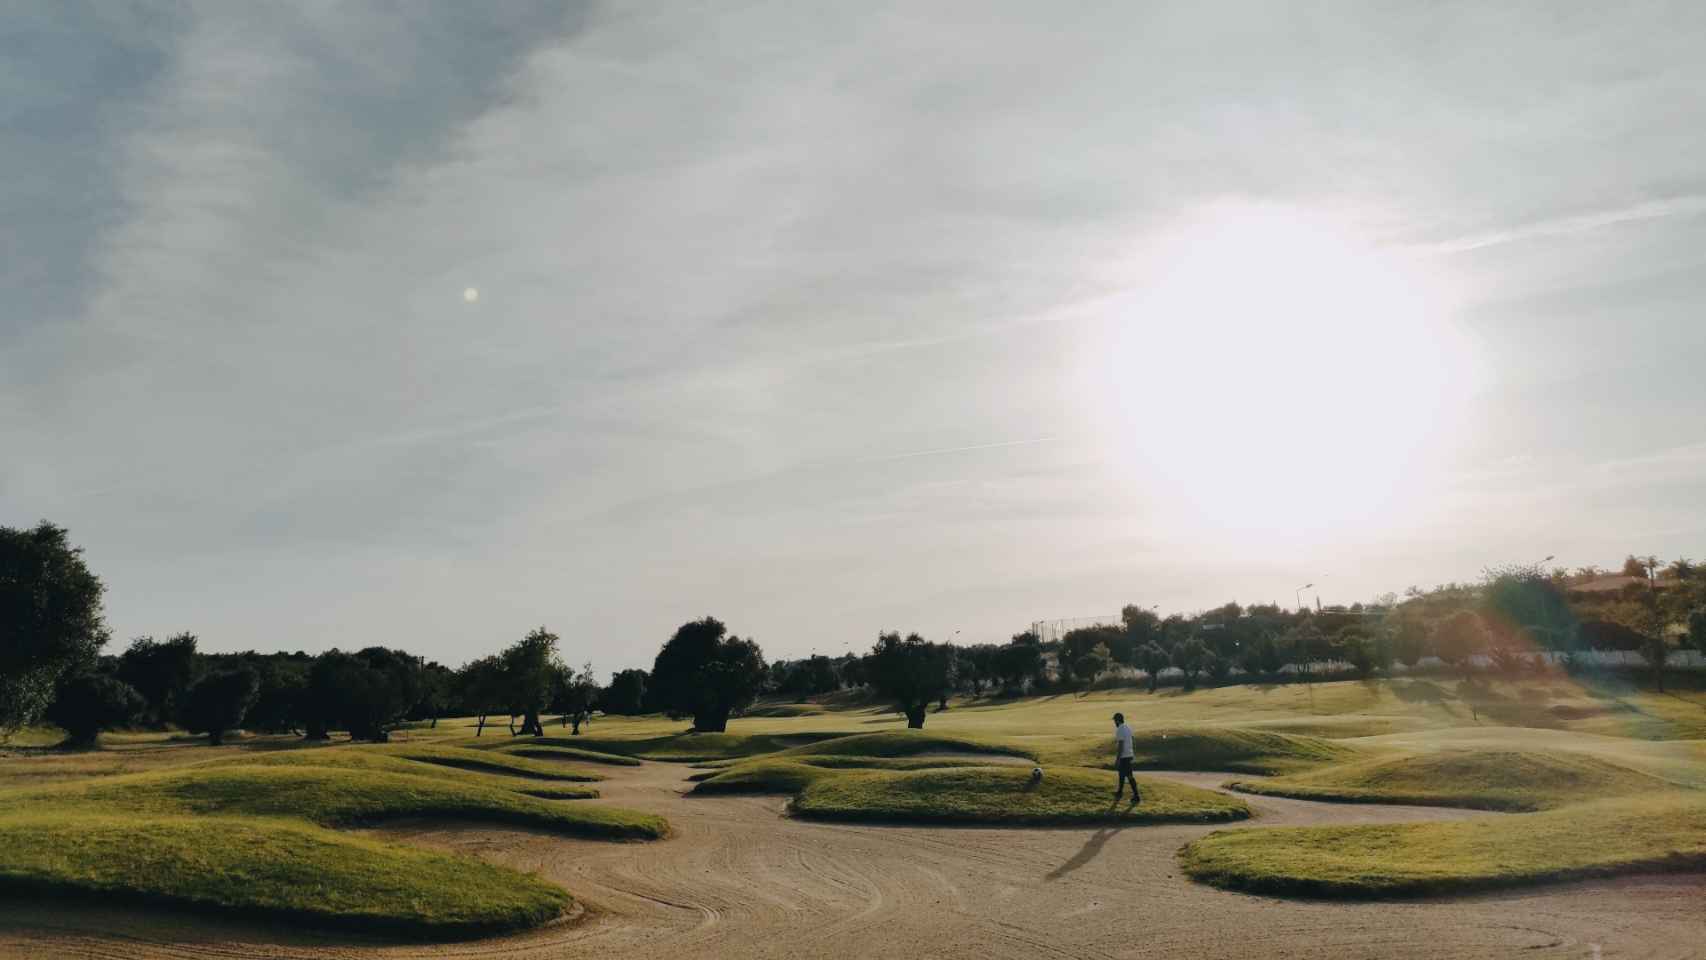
[[332, 796], [277, 869], [1665, 831], [1511, 780], [246, 831], [417, 759], [1005, 795], [551, 749]]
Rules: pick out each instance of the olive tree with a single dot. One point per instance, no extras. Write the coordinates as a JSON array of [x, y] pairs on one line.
[[217, 703], [88, 703], [706, 673], [911, 672]]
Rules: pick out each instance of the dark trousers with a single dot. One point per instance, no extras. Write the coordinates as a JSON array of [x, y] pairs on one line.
[[1125, 775]]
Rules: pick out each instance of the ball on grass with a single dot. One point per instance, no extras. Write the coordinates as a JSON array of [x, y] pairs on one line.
[[1036, 774]]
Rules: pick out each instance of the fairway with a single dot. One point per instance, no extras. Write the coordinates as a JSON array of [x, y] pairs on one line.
[[837, 816]]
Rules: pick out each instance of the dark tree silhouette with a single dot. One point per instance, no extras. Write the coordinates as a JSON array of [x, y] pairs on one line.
[[217, 703], [160, 671], [88, 703], [50, 619], [911, 672], [1153, 660], [626, 694], [706, 674]]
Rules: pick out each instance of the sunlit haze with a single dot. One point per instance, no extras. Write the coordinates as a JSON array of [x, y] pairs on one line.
[[334, 327]]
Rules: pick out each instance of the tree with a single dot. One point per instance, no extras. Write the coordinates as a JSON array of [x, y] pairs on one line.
[[1192, 657], [1020, 662], [1655, 649], [1633, 566], [1357, 650], [438, 687], [50, 619], [1409, 640], [366, 692], [911, 672], [707, 674], [217, 703], [626, 694], [281, 700], [530, 667], [161, 672], [1153, 660], [480, 690], [1092, 663], [575, 695], [1458, 638], [87, 703], [1142, 627], [1218, 668], [1697, 630]]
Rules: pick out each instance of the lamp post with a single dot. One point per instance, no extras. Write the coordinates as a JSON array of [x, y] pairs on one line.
[[1297, 595]]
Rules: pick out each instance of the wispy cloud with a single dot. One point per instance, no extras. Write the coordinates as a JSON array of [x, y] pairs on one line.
[[1670, 208], [939, 451]]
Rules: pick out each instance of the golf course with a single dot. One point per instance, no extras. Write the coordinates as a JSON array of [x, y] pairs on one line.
[[1351, 818]]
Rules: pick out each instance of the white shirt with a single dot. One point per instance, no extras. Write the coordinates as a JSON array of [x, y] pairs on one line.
[[1122, 736]]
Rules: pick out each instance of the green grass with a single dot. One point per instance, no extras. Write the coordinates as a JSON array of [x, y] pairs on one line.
[[1511, 780], [333, 796], [553, 750], [276, 869], [1005, 795], [1628, 835], [1231, 749], [906, 743], [696, 747], [415, 758], [248, 832]]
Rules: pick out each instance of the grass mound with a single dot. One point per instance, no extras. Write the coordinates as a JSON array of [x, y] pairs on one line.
[[784, 710], [698, 747], [790, 773], [410, 758], [1223, 748], [552, 749], [1004, 795], [907, 743], [332, 796], [1631, 835], [272, 868], [1484, 779]]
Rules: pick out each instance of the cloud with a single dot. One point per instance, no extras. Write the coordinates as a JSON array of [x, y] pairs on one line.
[[1669, 208]]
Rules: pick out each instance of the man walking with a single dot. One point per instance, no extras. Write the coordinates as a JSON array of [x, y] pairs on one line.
[[1124, 756]]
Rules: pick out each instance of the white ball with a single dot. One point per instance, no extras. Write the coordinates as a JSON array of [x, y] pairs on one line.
[[1036, 774]]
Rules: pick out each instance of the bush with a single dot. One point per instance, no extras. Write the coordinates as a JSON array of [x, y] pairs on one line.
[[218, 702], [88, 703]]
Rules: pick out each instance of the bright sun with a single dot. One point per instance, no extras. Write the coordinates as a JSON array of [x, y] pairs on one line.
[[1277, 375]]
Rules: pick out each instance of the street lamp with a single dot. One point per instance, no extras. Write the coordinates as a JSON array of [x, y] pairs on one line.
[[1297, 594]]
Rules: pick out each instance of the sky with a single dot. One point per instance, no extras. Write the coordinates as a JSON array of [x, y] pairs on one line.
[[334, 325]]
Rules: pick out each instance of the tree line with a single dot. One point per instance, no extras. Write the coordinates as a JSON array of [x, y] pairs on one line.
[[1515, 619]]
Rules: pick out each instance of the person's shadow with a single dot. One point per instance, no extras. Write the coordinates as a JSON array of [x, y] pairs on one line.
[[1092, 848]]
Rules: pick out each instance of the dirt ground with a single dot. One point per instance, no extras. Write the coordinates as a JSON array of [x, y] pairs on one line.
[[742, 880]]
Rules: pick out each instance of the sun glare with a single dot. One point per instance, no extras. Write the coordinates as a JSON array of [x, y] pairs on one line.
[[1276, 374]]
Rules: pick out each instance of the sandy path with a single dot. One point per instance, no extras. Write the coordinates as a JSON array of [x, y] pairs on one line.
[[741, 880]]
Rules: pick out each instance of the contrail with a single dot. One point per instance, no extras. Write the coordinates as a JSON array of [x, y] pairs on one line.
[[941, 450]]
